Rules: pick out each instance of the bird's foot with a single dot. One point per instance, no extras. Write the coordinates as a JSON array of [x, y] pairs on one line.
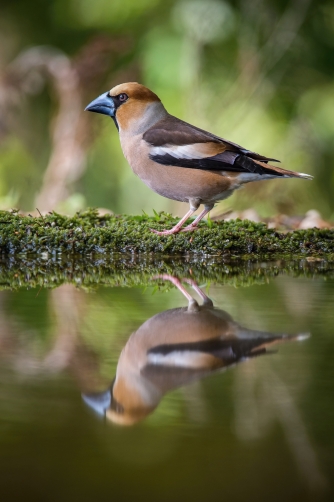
[[189, 228], [172, 231]]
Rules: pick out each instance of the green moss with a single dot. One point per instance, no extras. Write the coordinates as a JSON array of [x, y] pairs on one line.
[[88, 233]]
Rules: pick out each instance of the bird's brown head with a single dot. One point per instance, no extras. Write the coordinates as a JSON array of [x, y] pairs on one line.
[[123, 403], [125, 103]]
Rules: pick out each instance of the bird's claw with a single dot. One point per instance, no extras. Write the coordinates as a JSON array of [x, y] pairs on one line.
[[165, 232], [189, 228]]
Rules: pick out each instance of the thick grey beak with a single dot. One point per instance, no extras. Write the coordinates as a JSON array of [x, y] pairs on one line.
[[98, 402], [103, 104]]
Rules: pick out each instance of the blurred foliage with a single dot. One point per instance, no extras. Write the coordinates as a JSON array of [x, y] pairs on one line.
[[258, 73]]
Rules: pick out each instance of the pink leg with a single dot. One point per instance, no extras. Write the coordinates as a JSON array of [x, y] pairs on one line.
[[177, 284], [192, 303], [194, 224], [207, 301], [178, 226]]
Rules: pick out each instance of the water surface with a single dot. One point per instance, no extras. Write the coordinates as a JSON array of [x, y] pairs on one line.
[[236, 419]]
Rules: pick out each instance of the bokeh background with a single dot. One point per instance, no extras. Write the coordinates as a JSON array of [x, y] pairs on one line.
[[258, 73]]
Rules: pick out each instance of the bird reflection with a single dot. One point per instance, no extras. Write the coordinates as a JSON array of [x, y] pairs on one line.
[[173, 349]]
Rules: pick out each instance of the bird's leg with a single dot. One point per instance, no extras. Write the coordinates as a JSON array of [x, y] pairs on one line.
[[206, 300], [192, 303], [193, 225], [193, 207]]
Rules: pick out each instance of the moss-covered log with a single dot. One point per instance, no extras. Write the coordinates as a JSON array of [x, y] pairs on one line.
[[88, 233]]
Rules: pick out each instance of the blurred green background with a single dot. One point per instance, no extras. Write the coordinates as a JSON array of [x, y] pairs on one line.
[[258, 73]]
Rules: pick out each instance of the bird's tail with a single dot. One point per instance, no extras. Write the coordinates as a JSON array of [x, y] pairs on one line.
[[282, 172], [265, 347]]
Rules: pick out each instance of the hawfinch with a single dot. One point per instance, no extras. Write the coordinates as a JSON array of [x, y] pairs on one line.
[[178, 160], [173, 349]]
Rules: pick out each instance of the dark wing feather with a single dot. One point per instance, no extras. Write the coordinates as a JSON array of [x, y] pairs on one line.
[[228, 349], [173, 131], [226, 161]]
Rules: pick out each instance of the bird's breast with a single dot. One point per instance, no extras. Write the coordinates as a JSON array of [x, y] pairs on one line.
[[176, 183]]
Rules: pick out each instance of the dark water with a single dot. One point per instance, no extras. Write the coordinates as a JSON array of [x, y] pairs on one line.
[[210, 404]]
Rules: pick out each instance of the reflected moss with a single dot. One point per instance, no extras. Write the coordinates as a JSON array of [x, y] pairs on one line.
[[129, 270]]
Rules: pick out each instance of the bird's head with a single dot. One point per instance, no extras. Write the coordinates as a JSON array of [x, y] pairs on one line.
[[129, 104], [128, 401]]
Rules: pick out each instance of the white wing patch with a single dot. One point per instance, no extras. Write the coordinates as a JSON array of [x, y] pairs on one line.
[[194, 151], [183, 359]]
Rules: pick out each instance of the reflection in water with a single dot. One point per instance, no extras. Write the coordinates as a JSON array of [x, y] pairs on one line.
[[174, 348], [252, 417], [65, 350], [170, 350]]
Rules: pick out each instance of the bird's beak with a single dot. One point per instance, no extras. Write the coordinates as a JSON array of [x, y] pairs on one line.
[[103, 104], [98, 402]]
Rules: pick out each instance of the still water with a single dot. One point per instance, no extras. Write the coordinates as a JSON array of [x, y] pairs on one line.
[[221, 393]]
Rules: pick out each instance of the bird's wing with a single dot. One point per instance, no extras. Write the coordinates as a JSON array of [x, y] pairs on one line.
[[177, 143], [227, 350]]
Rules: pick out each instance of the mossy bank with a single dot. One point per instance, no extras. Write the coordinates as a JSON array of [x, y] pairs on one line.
[[88, 233]]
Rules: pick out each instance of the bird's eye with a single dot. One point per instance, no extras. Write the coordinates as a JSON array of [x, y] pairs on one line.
[[123, 97]]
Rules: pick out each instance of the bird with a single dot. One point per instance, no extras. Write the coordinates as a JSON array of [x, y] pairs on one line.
[[178, 160], [175, 348]]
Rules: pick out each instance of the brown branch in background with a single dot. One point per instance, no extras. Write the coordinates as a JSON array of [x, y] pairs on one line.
[[69, 307], [68, 351], [71, 81], [67, 160]]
